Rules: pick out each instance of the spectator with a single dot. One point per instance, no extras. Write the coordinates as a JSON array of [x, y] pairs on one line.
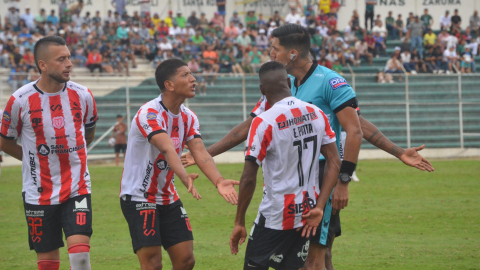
[[158, 59], [221, 10], [335, 8], [439, 60], [331, 57], [451, 41], [150, 49], [169, 19], [261, 22], [77, 20], [450, 58], [475, 23], [277, 19], [251, 20], [426, 19], [265, 57], [293, 17], [231, 31], [467, 59], [380, 46], [122, 60], [29, 19], [217, 20], [24, 35], [163, 29], [87, 20], [415, 32], [407, 64], [370, 40], [193, 20], [210, 61], [235, 19], [198, 38], [399, 25], [180, 19], [254, 59], [354, 23], [203, 22], [430, 60], [12, 17], [195, 69], [174, 30], [62, 7], [337, 67], [324, 5], [96, 19], [120, 6], [361, 51], [442, 37], [272, 27], [381, 30], [332, 22], [456, 20], [188, 31], [369, 12], [410, 18], [94, 61], [106, 64], [52, 18], [261, 41], [445, 21], [244, 40], [122, 33], [323, 29], [430, 38], [349, 55], [393, 66], [225, 64], [109, 18], [390, 24]]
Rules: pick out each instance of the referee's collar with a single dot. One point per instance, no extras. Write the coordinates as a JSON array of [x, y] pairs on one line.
[[309, 73]]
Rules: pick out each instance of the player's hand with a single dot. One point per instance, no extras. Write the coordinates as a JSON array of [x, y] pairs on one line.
[[238, 236], [313, 219], [226, 188], [187, 160], [411, 157], [340, 197], [191, 188]]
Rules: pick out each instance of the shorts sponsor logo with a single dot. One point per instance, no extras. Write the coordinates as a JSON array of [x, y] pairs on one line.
[[276, 258], [35, 111], [81, 218], [33, 167], [6, 116], [176, 142], [336, 83], [145, 205], [303, 254], [151, 116], [43, 150], [189, 227], [58, 122], [81, 206], [147, 177], [162, 164], [34, 213], [184, 212]]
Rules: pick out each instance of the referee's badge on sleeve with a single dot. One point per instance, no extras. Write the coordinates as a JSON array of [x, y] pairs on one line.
[[336, 83]]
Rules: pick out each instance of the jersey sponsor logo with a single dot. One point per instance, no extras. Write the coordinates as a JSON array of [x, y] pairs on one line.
[[78, 117], [304, 253], [162, 164], [59, 137], [145, 205], [297, 120], [43, 150], [75, 107], [176, 142], [6, 116], [175, 129], [58, 122], [37, 122], [56, 107], [151, 116], [93, 118], [276, 258], [147, 177], [81, 206], [146, 127], [33, 166], [301, 208], [35, 111], [336, 83], [251, 148]]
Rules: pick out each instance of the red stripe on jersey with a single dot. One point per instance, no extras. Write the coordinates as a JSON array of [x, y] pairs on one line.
[[192, 131], [328, 129], [94, 113], [165, 118], [297, 113], [288, 219], [166, 192], [281, 119], [305, 206], [153, 122], [267, 139], [166, 189], [19, 123], [185, 128], [59, 128], [35, 106], [153, 189], [258, 105], [82, 155], [139, 125], [8, 110], [253, 131], [175, 195], [267, 105], [311, 110]]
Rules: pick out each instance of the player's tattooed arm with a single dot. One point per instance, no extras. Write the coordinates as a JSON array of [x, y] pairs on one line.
[[409, 156], [90, 135], [11, 147]]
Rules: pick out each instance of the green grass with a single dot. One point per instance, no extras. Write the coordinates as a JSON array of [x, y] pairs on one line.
[[397, 218]]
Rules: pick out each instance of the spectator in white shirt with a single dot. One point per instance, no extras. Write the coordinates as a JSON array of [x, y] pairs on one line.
[[323, 29], [175, 29], [450, 57], [380, 28], [272, 27], [407, 64], [445, 20], [261, 41], [29, 19], [293, 17], [188, 30]]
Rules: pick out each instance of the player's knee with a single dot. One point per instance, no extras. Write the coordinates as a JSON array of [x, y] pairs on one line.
[[154, 263], [188, 263]]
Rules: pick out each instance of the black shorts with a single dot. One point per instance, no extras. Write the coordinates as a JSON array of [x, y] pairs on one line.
[[119, 147], [325, 236], [275, 248], [45, 222], [151, 224]]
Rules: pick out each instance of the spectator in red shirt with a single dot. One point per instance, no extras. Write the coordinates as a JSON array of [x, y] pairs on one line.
[[163, 29], [28, 59], [94, 61], [370, 43], [334, 8], [332, 22]]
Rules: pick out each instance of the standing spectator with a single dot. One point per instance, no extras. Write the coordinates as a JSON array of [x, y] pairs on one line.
[[430, 38], [52, 18], [180, 19], [369, 12], [450, 57], [118, 133], [29, 19], [293, 17], [94, 61], [456, 21], [261, 41], [210, 61], [475, 23], [251, 20], [12, 17], [399, 25], [407, 64], [445, 21], [144, 7], [120, 6], [426, 19], [221, 7], [193, 20], [415, 32], [380, 46], [62, 7], [355, 23], [361, 51], [324, 5], [41, 18], [169, 19], [390, 24], [335, 7]]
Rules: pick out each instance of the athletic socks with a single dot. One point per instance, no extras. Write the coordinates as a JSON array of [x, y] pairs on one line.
[[79, 257], [48, 265]]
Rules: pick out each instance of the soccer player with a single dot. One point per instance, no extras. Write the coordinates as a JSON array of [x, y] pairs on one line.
[[330, 92], [56, 120], [300, 131], [148, 197], [120, 138]]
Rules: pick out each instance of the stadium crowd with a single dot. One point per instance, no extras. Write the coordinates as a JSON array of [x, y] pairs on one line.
[[112, 42]]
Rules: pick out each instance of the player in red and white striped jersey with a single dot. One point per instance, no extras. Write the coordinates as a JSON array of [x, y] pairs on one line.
[[286, 141], [56, 120], [148, 197]]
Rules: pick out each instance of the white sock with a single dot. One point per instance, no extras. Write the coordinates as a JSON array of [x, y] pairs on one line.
[[79, 257]]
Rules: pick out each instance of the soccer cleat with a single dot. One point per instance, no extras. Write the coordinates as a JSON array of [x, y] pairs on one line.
[[355, 177]]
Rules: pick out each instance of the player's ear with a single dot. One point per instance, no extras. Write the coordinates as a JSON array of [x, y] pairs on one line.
[[169, 85], [42, 65]]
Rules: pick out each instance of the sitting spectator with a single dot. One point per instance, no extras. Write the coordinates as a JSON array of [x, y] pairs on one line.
[[122, 33], [349, 55], [29, 60], [122, 60], [231, 31], [332, 22], [430, 60], [438, 54], [430, 39], [180, 19], [323, 29], [251, 20], [236, 67], [393, 66], [293, 17], [445, 21], [331, 58], [467, 59], [200, 80], [261, 41], [361, 51], [254, 58], [243, 41], [399, 26], [370, 40], [150, 49], [272, 27], [158, 59], [337, 67], [450, 58], [381, 30], [235, 19], [261, 22], [217, 20], [225, 64], [94, 61], [210, 63], [193, 20], [175, 29], [265, 57], [202, 22], [407, 64], [380, 46], [106, 65]]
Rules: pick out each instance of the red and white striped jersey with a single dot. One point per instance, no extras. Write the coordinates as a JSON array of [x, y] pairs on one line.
[[286, 140], [52, 131], [146, 176]]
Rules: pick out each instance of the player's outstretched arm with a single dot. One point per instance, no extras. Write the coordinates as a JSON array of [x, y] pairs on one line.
[[11, 147], [226, 188], [248, 181], [165, 145], [409, 156], [332, 168], [90, 135], [236, 136]]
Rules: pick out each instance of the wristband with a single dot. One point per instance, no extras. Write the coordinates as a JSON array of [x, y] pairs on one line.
[[216, 182], [348, 167]]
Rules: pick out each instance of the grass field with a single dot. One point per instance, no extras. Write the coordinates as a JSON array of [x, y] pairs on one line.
[[397, 218]]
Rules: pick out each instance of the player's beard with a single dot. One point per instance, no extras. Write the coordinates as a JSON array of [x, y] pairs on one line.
[[58, 77]]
